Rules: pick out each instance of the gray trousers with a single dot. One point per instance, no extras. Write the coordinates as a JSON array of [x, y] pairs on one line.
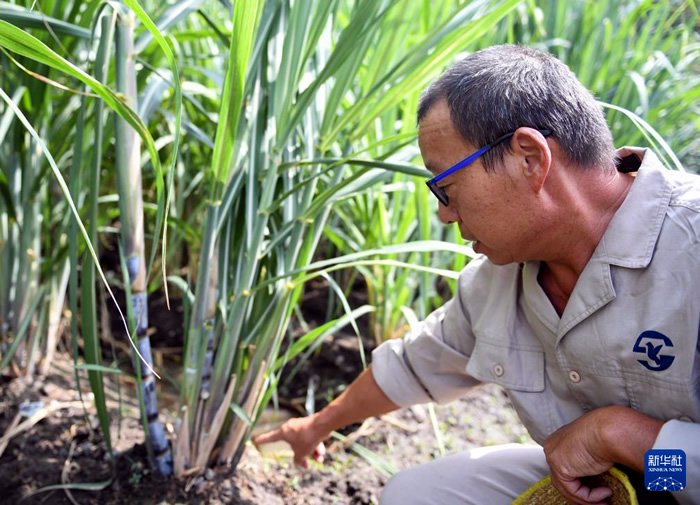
[[485, 476]]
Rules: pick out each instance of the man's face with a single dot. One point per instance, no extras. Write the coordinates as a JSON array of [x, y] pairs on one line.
[[490, 208]]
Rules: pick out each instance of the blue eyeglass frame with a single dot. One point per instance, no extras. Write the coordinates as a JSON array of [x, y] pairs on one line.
[[440, 193]]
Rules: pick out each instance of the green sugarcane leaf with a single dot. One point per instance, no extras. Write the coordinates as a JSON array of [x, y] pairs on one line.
[[241, 414], [8, 117], [30, 19], [182, 284], [402, 168], [304, 27], [24, 323], [169, 18], [77, 486], [378, 463], [17, 41], [299, 280], [662, 147], [365, 22], [321, 332], [99, 368], [245, 21]]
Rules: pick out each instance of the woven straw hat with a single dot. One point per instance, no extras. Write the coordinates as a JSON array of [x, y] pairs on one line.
[[543, 493]]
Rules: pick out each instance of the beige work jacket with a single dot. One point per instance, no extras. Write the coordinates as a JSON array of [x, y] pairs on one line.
[[628, 335]]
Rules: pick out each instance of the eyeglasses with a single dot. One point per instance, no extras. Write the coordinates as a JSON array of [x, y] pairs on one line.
[[440, 193]]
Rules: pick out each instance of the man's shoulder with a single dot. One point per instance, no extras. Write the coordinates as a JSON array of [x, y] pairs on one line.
[[685, 190], [679, 234], [481, 276], [684, 186]]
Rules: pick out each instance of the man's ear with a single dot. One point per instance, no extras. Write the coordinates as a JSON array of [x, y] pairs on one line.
[[533, 154]]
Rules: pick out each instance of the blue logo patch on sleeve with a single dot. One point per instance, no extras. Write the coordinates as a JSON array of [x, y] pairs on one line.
[[664, 470], [651, 343]]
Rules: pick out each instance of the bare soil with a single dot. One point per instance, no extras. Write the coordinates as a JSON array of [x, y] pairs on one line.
[[61, 458], [65, 448]]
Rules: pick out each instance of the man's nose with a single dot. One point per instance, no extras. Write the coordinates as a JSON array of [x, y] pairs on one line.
[[446, 213]]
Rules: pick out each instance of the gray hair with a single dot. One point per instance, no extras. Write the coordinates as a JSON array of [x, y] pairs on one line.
[[500, 89]]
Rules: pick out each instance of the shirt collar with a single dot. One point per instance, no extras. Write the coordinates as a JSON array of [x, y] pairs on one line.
[[632, 233]]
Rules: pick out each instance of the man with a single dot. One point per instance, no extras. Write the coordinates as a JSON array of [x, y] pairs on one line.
[[583, 303]]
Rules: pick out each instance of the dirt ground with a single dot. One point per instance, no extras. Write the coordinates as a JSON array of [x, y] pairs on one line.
[[65, 448], [59, 456]]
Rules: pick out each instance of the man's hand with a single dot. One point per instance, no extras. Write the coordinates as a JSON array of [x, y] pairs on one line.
[[574, 451], [303, 435], [591, 444], [362, 399]]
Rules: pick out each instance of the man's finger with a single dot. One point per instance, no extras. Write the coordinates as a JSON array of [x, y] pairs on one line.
[[583, 494], [302, 462], [319, 452], [599, 494], [270, 436]]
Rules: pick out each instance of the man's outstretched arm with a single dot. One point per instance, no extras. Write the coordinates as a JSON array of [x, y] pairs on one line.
[[362, 399]]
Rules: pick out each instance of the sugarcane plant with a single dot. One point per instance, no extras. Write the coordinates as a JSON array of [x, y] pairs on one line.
[[128, 125], [278, 168], [33, 240], [129, 186], [19, 248]]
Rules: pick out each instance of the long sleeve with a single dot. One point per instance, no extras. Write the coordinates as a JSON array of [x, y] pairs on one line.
[[429, 364], [685, 436]]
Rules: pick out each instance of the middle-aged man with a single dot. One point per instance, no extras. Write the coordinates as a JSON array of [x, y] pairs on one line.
[[583, 303]]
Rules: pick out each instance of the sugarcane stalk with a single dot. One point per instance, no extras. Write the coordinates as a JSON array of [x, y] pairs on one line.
[[88, 298], [210, 435], [248, 401], [27, 278], [201, 326], [201, 352], [181, 447], [55, 310], [210, 325], [128, 154]]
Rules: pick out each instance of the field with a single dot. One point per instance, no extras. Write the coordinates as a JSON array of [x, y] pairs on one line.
[[205, 204]]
